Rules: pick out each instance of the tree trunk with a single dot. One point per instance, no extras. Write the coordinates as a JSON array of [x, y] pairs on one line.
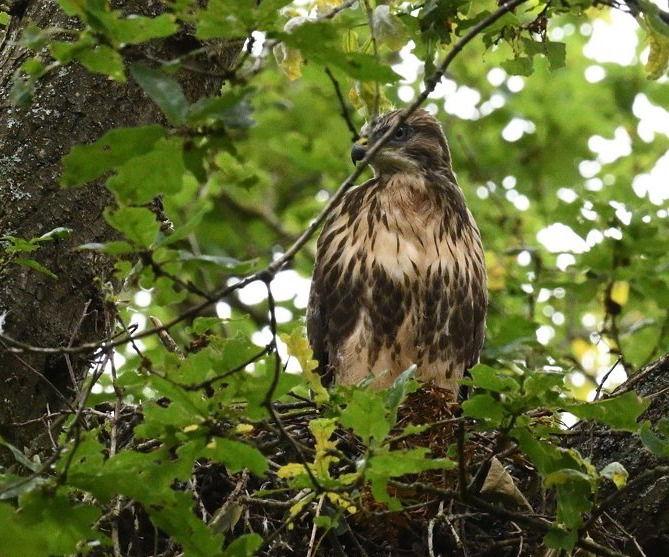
[[70, 106]]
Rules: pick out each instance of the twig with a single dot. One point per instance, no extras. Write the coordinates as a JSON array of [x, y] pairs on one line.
[[462, 470], [314, 528], [267, 403], [113, 447], [627, 535], [75, 331], [108, 346], [343, 6], [269, 503], [221, 514], [209, 382], [375, 50], [345, 114], [166, 339], [600, 386]]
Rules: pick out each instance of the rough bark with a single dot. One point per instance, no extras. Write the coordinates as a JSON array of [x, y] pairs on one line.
[[71, 106]]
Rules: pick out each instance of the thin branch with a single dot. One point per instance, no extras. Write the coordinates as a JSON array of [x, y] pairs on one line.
[[462, 470], [600, 386], [375, 49], [209, 382], [345, 114], [19, 346], [168, 342]]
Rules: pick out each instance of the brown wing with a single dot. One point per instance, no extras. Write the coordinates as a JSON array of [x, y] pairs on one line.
[[335, 296], [317, 330], [469, 303]]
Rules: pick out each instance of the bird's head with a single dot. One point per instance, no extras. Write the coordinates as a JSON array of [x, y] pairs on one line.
[[417, 145]]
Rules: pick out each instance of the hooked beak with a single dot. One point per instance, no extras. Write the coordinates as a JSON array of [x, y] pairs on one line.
[[359, 150]]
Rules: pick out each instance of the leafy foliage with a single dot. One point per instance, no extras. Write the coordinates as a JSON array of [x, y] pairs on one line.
[[248, 169]]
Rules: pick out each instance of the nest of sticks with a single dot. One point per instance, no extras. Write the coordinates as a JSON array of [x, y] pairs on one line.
[[491, 504]]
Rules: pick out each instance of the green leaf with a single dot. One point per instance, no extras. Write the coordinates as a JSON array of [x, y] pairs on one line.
[[42, 514], [164, 90], [319, 41], [244, 546], [35, 266], [365, 414], [398, 391], [18, 538], [137, 224], [484, 407], [105, 60], [565, 476], [556, 54], [544, 455], [19, 245], [110, 248], [619, 412], [485, 377], [4, 18], [658, 444], [224, 108], [20, 457], [558, 538], [158, 171], [230, 264], [203, 324], [224, 19], [236, 456], [519, 66], [412, 461], [33, 67], [138, 29], [87, 162], [58, 233]]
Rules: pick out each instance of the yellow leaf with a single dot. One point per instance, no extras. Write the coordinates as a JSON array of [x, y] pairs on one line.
[[322, 429], [291, 470], [297, 507], [658, 57], [363, 95], [326, 6], [298, 347], [342, 503], [190, 428], [620, 292], [290, 61], [617, 473], [244, 429]]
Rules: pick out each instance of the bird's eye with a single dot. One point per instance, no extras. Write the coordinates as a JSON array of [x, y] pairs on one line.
[[401, 133]]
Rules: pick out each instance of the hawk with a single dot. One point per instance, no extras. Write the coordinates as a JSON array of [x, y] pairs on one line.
[[399, 277]]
